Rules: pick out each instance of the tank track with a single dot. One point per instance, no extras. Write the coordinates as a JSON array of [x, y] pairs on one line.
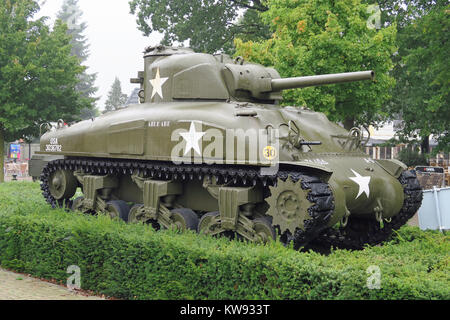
[[361, 232], [45, 175], [320, 195], [322, 200]]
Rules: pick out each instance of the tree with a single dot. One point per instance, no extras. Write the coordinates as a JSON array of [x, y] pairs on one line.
[[210, 25], [320, 37], [71, 14], [421, 96], [116, 98], [87, 113], [38, 75]]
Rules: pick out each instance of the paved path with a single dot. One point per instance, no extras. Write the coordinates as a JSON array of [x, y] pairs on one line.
[[14, 286], [9, 178]]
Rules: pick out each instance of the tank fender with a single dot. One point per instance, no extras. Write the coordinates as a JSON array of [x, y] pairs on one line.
[[393, 167], [37, 164], [309, 165]]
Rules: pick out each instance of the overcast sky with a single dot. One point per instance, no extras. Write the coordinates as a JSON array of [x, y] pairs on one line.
[[116, 45]]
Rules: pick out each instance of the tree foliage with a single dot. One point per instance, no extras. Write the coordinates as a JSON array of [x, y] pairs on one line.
[[71, 14], [320, 37], [38, 74], [210, 25], [116, 98], [421, 96]]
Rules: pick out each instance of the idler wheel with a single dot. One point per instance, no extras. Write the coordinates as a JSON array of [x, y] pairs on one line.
[[62, 184], [118, 209], [184, 219], [288, 205]]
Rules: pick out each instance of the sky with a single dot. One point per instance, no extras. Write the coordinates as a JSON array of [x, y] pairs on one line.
[[116, 45]]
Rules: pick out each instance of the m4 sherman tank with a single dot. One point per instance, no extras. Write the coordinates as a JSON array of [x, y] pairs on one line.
[[209, 149]]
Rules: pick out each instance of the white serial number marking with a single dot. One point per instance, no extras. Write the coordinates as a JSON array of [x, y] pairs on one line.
[[53, 148]]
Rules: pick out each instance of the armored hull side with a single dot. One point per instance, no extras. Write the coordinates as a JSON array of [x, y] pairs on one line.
[[152, 131]]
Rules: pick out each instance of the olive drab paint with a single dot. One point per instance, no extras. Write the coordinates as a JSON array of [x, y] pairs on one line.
[[203, 110]]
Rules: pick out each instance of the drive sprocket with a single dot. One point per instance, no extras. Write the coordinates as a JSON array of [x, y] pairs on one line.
[[288, 205], [300, 206]]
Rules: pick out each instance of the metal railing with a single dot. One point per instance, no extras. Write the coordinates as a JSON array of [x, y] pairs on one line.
[[434, 213]]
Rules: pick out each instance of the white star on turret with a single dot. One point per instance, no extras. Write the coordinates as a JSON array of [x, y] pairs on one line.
[[363, 183], [157, 84], [192, 139]]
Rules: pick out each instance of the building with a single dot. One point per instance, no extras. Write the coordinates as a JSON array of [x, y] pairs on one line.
[[17, 155], [378, 137]]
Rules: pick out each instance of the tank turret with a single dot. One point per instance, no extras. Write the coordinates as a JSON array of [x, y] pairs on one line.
[[173, 74]]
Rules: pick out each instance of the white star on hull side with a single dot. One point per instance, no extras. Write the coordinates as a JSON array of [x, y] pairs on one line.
[[192, 139]]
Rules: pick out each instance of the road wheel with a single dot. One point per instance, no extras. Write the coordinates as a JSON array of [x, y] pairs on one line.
[[118, 209], [264, 230], [208, 223], [184, 219], [134, 217], [76, 204]]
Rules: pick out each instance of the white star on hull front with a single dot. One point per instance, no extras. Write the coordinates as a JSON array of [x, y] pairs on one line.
[[363, 183]]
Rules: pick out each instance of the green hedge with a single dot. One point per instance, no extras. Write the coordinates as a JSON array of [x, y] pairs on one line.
[[135, 262]]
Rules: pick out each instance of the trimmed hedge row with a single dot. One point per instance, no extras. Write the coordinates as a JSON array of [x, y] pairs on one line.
[[135, 262]]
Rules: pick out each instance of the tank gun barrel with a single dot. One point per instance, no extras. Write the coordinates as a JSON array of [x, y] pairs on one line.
[[311, 81]]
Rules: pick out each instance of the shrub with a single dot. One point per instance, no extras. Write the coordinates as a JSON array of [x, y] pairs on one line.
[[135, 262], [412, 158]]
